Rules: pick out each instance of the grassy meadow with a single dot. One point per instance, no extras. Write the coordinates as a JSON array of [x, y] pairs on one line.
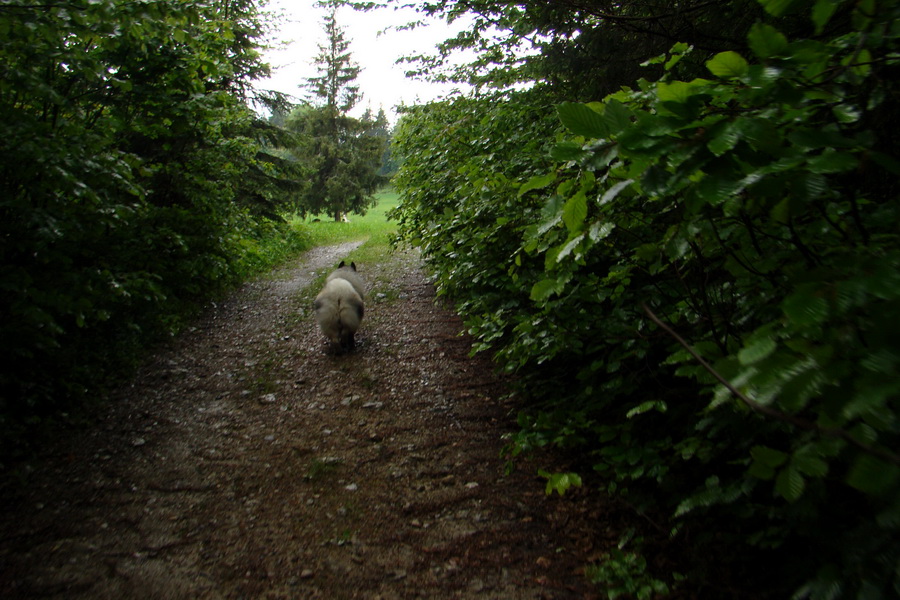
[[373, 227], [275, 244]]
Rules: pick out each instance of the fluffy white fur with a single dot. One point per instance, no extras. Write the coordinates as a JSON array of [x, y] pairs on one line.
[[349, 273], [339, 307]]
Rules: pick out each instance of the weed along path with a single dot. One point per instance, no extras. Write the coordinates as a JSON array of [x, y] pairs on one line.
[[245, 462]]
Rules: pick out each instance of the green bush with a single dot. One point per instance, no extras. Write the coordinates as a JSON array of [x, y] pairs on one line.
[[751, 214], [131, 170], [462, 163]]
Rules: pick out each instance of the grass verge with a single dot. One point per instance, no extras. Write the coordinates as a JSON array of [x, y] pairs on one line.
[[373, 227]]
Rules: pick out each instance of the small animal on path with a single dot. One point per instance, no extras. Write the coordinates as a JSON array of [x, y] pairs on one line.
[[339, 307]]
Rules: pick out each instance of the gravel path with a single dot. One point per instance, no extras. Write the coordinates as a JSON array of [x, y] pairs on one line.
[[244, 462]]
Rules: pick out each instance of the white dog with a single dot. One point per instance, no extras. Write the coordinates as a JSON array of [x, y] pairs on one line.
[[339, 307]]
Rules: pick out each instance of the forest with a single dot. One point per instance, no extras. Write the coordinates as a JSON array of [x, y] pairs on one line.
[[676, 224]]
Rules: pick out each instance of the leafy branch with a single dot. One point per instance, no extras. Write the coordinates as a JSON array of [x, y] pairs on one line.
[[768, 411]]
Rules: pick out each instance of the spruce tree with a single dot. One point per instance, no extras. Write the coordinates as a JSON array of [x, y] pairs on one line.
[[335, 85], [343, 157]]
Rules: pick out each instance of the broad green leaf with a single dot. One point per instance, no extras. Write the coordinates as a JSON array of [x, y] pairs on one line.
[[728, 65], [864, 13], [673, 60], [804, 307], [809, 461], [544, 289], [832, 161], [881, 361], [811, 186], [766, 41], [566, 151], [655, 181], [647, 406], [582, 120], [614, 191], [656, 60], [777, 8], [796, 393], [550, 258], [551, 214], [587, 181], [678, 52], [864, 433], [768, 456], [600, 230], [847, 113], [567, 248], [715, 189], [790, 483], [761, 76], [561, 482], [756, 350], [676, 91], [602, 156], [725, 137], [616, 116], [575, 212], [822, 13], [707, 497], [537, 182], [761, 471], [762, 134]]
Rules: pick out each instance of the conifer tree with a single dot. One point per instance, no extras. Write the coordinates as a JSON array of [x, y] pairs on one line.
[[343, 157], [335, 85]]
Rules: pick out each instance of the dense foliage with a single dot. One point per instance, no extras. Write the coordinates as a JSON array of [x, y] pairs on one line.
[[698, 286], [133, 179]]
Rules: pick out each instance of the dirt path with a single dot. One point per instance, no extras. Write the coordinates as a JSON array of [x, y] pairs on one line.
[[244, 462]]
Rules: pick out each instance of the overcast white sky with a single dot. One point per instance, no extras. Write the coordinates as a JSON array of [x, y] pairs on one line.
[[381, 82]]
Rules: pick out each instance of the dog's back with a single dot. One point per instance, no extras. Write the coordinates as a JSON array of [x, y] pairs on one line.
[[339, 308], [348, 273]]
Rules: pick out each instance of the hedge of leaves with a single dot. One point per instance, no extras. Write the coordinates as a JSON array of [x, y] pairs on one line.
[[701, 292]]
